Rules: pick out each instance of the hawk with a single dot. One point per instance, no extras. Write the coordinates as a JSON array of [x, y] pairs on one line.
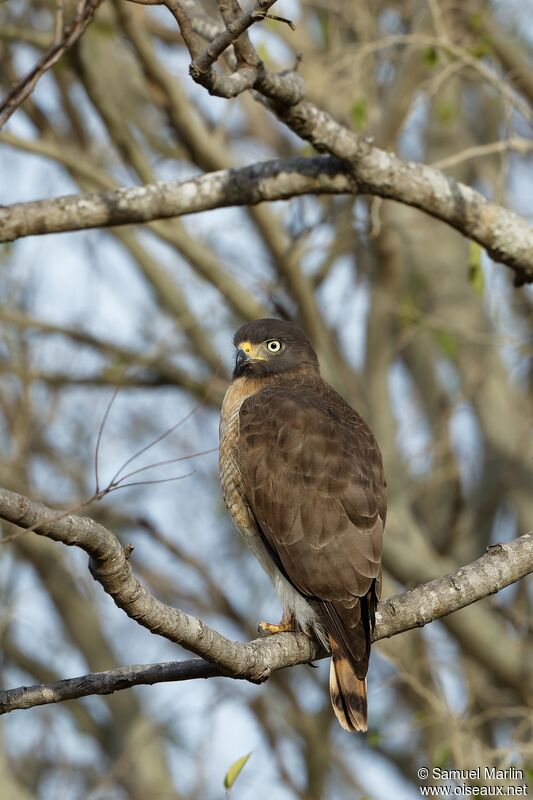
[[302, 478]]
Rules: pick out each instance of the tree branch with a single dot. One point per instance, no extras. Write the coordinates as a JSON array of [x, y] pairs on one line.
[[250, 71], [506, 236], [234, 28], [112, 680], [156, 369], [502, 565], [272, 180], [26, 85]]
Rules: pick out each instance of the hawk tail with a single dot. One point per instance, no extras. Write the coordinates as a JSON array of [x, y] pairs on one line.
[[347, 691]]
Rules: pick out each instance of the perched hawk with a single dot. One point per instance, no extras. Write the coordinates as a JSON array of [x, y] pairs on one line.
[[302, 478]]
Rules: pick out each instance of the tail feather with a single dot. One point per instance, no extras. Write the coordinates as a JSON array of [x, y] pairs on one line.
[[347, 691]]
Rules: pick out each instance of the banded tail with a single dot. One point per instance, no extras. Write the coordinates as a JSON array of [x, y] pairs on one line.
[[347, 692]]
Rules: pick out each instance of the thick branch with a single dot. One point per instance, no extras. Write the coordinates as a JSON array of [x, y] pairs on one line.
[[205, 60], [502, 565], [271, 180], [250, 71], [506, 236], [105, 683]]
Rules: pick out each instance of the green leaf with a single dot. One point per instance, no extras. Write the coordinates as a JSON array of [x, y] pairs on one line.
[[475, 272], [409, 311], [447, 342], [262, 52], [441, 756], [373, 738], [430, 56], [325, 25], [480, 50], [234, 771], [445, 112], [358, 114]]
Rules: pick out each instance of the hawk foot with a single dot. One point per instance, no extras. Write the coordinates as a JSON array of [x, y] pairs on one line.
[[287, 625]]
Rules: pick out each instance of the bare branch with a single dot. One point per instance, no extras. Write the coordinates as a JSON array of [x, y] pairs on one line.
[[59, 19], [515, 144], [105, 683], [25, 87], [250, 72], [506, 236], [510, 52], [190, 37], [205, 60], [100, 434], [271, 180], [502, 565]]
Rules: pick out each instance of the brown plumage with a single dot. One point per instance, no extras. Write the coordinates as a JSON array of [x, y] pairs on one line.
[[302, 477]]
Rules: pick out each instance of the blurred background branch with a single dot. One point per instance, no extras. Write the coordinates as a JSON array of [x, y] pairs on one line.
[[413, 321]]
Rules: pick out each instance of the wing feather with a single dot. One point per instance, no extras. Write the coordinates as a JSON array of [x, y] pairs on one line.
[[313, 478]]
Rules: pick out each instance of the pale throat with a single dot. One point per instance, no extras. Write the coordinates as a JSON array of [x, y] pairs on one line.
[[239, 389]]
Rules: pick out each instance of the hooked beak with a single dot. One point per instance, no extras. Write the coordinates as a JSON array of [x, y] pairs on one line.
[[242, 358], [246, 353]]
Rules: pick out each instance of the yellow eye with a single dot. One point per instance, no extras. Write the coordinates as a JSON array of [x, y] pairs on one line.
[[274, 346]]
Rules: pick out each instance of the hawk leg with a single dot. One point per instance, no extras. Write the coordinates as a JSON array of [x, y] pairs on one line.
[[287, 625]]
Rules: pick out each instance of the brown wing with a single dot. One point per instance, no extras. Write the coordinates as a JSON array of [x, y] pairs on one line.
[[313, 478]]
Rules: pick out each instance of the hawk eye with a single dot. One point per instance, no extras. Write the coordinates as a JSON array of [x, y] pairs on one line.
[[274, 346]]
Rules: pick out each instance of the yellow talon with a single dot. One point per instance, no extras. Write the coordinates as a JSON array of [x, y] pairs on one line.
[[267, 628]]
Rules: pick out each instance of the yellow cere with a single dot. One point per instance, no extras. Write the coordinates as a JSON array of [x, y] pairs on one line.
[[246, 346]]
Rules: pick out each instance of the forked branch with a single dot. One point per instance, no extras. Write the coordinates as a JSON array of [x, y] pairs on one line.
[[502, 565]]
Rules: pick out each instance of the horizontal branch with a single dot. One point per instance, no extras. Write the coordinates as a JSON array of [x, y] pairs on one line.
[[105, 683], [502, 565], [280, 179], [356, 167], [506, 236]]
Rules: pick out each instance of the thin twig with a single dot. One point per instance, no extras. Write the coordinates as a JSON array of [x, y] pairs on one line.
[[456, 51], [25, 87], [147, 483], [100, 433], [265, 15], [205, 60], [166, 462], [114, 480], [59, 19], [516, 144]]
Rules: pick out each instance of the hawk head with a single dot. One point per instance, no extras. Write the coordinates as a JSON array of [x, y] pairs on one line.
[[271, 346]]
